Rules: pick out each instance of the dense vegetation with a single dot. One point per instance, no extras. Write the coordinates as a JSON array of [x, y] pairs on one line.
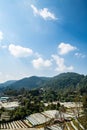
[[31, 101], [29, 83]]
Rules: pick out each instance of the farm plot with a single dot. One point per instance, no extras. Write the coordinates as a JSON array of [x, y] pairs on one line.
[[51, 113], [37, 119], [14, 125], [54, 127]]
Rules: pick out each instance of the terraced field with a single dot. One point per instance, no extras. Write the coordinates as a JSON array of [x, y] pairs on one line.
[[41, 120], [74, 125], [15, 124]]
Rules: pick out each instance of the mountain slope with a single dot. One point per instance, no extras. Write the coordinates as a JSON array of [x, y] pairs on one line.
[[59, 82], [7, 83], [83, 86], [29, 83], [64, 80]]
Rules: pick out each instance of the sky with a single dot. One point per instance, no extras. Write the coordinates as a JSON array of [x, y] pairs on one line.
[[42, 38]]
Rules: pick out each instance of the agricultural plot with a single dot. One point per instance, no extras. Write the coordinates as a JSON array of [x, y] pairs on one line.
[[74, 125], [78, 125], [44, 119], [37, 119], [51, 113], [25, 129], [54, 127], [14, 125], [9, 105], [71, 104], [56, 114]]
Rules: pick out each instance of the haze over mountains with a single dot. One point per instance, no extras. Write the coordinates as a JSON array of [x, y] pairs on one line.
[[61, 81]]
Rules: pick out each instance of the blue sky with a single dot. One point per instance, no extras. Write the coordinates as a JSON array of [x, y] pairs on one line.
[[42, 38]]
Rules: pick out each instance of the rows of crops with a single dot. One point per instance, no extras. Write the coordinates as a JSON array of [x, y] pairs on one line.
[[15, 124], [55, 127], [37, 119]]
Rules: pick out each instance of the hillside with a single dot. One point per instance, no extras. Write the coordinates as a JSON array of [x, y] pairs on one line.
[[83, 85], [29, 83], [64, 81], [5, 84]]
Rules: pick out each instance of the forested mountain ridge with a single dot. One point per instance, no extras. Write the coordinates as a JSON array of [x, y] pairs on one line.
[[83, 85], [7, 83], [65, 80], [62, 81], [29, 83]]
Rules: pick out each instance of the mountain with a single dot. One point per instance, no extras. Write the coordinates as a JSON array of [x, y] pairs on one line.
[[7, 83], [3, 86], [83, 85], [62, 81], [29, 83]]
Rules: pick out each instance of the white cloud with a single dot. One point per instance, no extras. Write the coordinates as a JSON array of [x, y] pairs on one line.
[[35, 10], [80, 55], [44, 13], [65, 48], [61, 67], [40, 63], [1, 35], [19, 51]]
